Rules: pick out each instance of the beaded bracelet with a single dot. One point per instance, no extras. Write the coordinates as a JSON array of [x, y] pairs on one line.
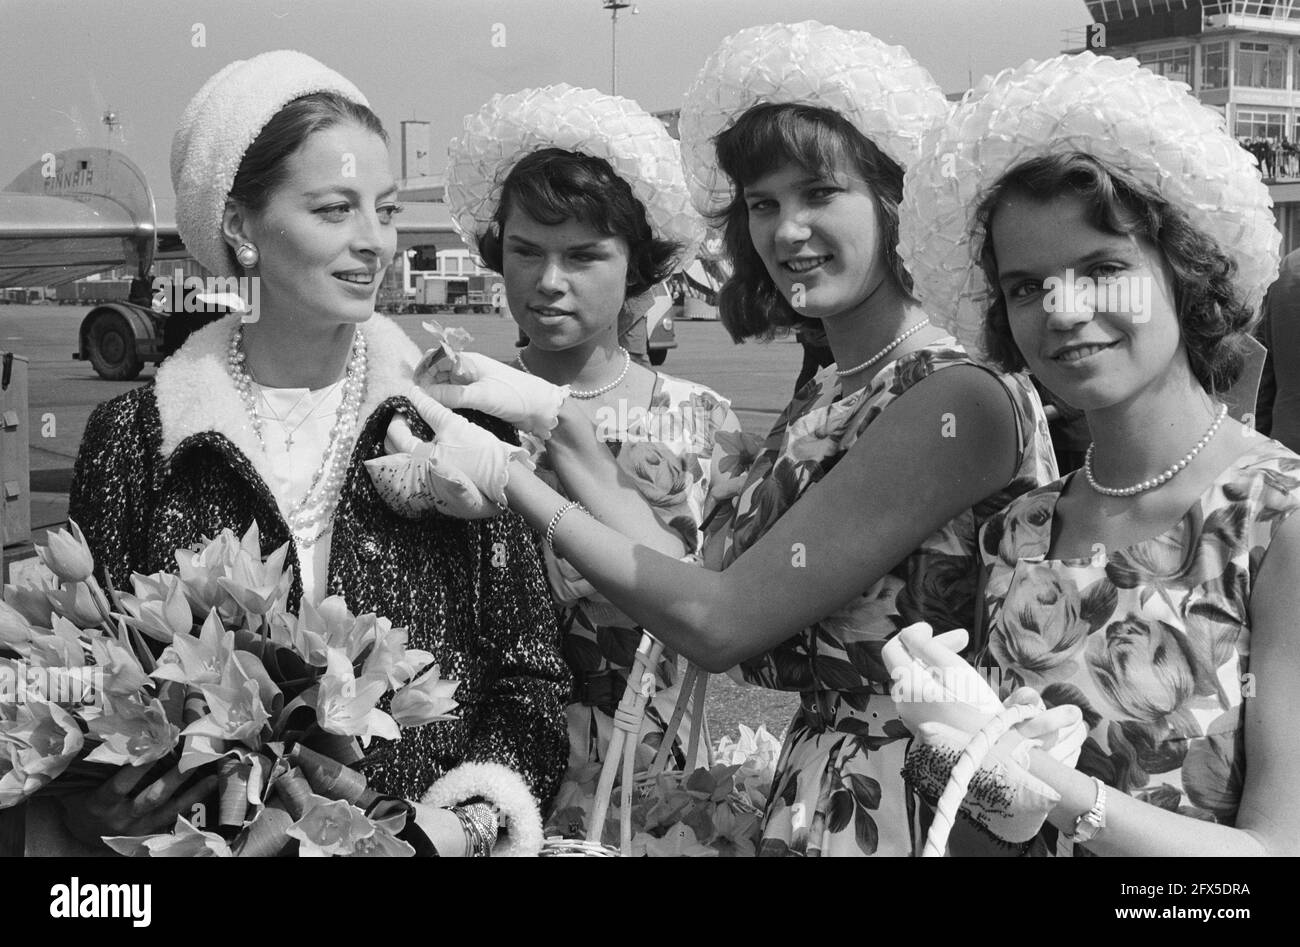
[[555, 521], [473, 844], [479, 823]]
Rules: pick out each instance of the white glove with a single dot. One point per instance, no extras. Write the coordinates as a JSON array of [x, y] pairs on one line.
[[471, 380], [945, 702], [461, 472]]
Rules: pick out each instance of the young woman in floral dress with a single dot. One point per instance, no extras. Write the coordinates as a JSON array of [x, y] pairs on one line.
[[577, 199], [1155, 589], [859, 515]]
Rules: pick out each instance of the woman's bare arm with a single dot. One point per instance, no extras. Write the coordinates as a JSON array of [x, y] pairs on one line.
[[941, 447], [592, 476]]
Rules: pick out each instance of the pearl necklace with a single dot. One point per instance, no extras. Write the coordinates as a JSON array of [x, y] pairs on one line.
[[329, 477], [595, 392], [883, 352], [1153, 482]]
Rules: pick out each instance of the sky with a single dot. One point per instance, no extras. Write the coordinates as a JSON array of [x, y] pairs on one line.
[[64, 63]]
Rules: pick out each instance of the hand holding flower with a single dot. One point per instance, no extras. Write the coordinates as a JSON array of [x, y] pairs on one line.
[[110, 809], [470, 380]]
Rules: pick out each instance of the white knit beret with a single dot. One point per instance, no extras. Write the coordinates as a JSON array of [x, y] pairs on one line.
[[220, 124], [636, 145], [1113, 109], [887, 95]]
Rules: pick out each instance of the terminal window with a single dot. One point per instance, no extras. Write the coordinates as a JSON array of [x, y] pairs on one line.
[[1259, 124], [1175, 64], [1214, 66], [1261, 65]]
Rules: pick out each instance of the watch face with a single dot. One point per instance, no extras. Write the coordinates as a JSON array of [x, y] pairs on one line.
[[1085, 831]]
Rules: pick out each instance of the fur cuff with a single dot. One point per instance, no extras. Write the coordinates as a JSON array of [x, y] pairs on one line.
[[505, 789]]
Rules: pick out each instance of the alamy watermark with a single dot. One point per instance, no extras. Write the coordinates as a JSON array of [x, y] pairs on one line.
[[1121, 294], [21, 682], [132, 901], [181, 293], [664, 424], [968, 685]]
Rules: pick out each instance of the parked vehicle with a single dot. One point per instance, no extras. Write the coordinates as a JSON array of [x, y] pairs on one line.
[[665, 309], [466, 294]]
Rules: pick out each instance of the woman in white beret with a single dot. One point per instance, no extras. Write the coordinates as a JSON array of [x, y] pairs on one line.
[[859, 515], [282, 175], [1093, 221]]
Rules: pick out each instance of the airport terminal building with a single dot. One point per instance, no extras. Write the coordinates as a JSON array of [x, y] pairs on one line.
[[1240, 57]]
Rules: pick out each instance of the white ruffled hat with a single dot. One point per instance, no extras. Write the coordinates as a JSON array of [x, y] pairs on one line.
[[881, 89], [634, 142], [220, 124], [1113, 109]]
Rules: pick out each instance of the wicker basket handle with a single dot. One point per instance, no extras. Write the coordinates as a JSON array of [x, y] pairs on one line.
[[628, 718], [964, 770], [693, 688], [627, 723]]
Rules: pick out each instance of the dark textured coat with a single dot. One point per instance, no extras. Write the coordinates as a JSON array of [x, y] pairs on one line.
[[471, 592]]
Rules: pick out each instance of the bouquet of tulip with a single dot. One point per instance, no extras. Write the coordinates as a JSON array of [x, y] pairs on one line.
[[701, 814], [709, 812], [206, 670], [712, 811]]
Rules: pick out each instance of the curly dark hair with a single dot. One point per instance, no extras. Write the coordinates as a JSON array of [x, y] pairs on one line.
[[1212, 316], [766, 138], [553, 185]]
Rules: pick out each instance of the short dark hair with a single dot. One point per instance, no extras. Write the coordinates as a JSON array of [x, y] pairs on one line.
[[553, 185], [265, 166], [768, 137], [1213, 318]]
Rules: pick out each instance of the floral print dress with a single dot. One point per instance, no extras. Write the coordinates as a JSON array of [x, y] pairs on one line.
[[838, 788], [1151, 642], [685, 454]]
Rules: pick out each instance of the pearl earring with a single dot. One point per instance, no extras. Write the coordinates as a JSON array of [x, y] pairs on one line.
[[246, 255]]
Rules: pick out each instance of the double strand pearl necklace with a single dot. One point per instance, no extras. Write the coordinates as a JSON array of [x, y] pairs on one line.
[[883, 352], [327, 483], [1153, 482], [595, 392]]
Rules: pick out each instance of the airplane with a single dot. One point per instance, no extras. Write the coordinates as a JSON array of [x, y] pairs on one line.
[[87, 210]]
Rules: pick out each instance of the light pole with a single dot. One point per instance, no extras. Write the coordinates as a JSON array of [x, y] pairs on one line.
[[613, 6]]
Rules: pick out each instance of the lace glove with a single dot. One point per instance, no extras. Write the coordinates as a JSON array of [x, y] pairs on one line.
[[471, 380], [462, 472], [945, 702]]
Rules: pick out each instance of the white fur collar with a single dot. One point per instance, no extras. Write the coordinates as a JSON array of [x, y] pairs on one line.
[[195, 392]]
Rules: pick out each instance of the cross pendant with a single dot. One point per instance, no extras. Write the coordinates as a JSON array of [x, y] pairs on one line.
[[288, 442]]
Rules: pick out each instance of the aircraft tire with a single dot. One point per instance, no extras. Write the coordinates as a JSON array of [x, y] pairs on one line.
[[111, 345]]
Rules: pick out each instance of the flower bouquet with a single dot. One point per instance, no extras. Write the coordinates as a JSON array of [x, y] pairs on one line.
[[706, 813], [709, 812], [658, 812], [700, 814], [206, 671]]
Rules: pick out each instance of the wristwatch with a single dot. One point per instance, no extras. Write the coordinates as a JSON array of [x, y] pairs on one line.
[[1093, 821]]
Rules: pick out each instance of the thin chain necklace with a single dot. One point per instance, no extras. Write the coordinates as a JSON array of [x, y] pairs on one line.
[[595, 392], [883, 352], [1153, 482], [284, 421], [322, 495]]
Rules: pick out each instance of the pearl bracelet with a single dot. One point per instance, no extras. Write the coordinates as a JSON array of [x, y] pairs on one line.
[[555, 521]]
